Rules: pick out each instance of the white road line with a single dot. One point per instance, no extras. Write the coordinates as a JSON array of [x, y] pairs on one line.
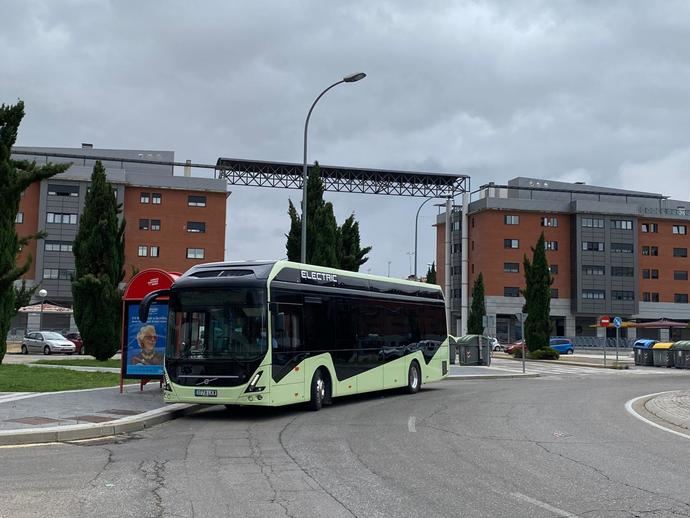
[[411, 424], [631, 411], [543, 505]]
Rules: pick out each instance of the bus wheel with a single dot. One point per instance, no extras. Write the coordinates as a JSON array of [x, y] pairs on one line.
[[318, 391], [414, 378]]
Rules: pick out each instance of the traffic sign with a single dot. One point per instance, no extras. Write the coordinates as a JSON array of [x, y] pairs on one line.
[[617, 322], [604, 321]]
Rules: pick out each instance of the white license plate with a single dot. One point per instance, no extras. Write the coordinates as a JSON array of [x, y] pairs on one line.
[[206, 392]]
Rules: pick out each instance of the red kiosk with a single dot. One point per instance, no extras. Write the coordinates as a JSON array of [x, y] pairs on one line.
[[143, 343]]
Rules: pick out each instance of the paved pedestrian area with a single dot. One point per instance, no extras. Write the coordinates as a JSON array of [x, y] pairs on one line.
[[21, 410], [673, 407]]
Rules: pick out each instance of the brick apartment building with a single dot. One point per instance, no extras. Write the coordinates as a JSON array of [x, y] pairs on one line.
[[172, 222], [611, 252]]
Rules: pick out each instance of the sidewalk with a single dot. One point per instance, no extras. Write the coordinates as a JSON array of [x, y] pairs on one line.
[[82, 414]]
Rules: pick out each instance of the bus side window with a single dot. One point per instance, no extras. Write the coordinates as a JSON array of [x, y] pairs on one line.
[[287, 328]]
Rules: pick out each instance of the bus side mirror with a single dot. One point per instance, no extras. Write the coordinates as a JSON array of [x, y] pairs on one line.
[[145, 304]]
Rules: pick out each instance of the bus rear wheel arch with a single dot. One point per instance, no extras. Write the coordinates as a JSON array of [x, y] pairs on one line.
[[414, 378], [321, 389]]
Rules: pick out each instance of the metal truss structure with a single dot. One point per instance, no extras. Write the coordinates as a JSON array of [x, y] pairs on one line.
[[342, 179]]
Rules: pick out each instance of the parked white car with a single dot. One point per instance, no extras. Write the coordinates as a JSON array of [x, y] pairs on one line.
[[47, 342], [495, 346]]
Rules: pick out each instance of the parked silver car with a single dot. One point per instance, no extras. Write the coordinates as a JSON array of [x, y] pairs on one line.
[[47, 342]]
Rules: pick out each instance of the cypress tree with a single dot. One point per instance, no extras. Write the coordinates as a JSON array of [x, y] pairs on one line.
[[475, 324], [327, 243], [99, 260], [537, 295], [351, 254], [431, 274], [15, 177]]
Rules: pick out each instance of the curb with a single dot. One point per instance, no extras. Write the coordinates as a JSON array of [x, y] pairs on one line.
[[79, 368], [92, 431], [490, 376], [619, 366]]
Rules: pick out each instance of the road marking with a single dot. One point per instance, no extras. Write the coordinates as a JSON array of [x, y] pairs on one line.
[[543, 505], [631, 411], [411, 424]]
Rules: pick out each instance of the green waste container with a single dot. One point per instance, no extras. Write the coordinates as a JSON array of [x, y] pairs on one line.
[[452, 350], [663, 356], [681, 354], [468, 349]]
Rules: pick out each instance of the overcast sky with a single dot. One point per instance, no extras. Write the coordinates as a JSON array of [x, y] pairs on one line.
[[576, 91]]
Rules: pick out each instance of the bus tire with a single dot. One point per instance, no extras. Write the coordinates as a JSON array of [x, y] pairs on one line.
[[414, 378], [317, 392]]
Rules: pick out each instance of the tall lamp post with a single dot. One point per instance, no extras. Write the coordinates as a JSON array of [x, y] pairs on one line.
[[43, 294], [416, 219], [347, 79]]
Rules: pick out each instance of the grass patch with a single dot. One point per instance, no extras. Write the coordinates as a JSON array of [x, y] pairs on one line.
[[20, 378], [84, 363]]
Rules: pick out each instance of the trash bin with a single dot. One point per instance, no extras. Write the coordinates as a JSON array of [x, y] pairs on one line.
[[484, 351], [468, 349], [663, 356], [643, 352], [681, 354]]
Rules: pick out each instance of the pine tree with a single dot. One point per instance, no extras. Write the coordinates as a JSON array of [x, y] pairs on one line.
[[431, 274], [475, 320], [99, 268], [327, 244], [15, 177], [537, 295]]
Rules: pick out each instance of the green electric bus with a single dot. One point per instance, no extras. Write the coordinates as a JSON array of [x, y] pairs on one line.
[[277, 332]]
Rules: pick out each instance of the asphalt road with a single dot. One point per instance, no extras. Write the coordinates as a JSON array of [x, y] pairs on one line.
[[550, 446]]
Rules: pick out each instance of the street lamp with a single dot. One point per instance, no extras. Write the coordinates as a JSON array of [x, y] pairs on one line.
[[416, 219], [43, 294], [352, 78]]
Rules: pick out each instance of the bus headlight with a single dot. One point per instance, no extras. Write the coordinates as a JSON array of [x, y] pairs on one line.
[[252, 384]]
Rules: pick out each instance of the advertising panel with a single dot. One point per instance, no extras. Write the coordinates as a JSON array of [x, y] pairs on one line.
[[146, 342]]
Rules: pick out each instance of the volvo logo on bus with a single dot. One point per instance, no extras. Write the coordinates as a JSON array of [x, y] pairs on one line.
[[319, 277]]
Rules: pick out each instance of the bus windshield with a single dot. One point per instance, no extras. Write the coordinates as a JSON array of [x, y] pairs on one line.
[[223, 324]]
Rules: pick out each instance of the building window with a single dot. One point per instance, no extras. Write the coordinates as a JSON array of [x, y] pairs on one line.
[[592, 223], [511, 291], [145, 197], [63, 190], [622, 271], [19, 218], [61, 218], [143, 224], [196, 226], [593, 270], [511, 220], [511, 267], [622, 295], [680, 229], [155, 224], [645, 274], [621, 224], [592, 246], [680, 298], [553, 269], [650, 227], [50, 273], [554, 293], [651, 250], [58, 246], [680, 252], [551, 245], [549, 222], [143, 251], [154, 251], [511, 243], [680, 275], [622, 248], [594, 294], [655, 296], [454, 226], [200, 201], [195, 253], [655, 274], [156, 198], [456, 248]]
